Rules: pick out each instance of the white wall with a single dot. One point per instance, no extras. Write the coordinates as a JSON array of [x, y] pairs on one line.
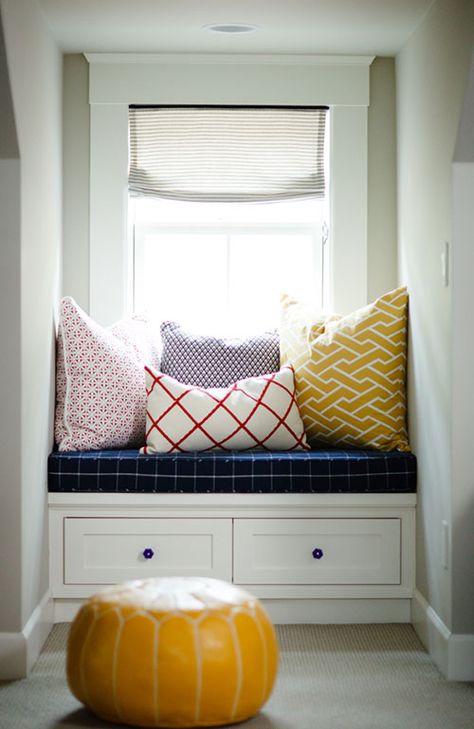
[[35, 70], [431, 75]]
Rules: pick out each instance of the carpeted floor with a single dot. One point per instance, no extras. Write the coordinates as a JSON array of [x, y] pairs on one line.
[[331, 677]]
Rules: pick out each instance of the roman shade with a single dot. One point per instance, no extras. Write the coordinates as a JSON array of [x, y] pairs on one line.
[[227, 154]]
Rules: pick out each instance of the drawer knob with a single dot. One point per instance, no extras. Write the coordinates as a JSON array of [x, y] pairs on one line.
[[317, 553], [148, 553]]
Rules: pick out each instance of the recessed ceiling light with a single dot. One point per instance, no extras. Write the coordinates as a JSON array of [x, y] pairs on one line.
[[230, 27]]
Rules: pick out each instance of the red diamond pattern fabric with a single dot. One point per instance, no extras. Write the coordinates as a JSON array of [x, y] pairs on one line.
[[258, 412], [100, 380]]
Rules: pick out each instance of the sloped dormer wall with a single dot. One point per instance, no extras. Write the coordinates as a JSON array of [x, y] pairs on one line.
[[432, 70]]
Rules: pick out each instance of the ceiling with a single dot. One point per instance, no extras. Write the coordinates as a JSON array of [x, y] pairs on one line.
[[375, 27]]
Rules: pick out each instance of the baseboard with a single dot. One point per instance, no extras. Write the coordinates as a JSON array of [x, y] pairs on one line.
[[19, 651], [288, 611], [65, 609], [37, 629], [452, 653], [12, 656]]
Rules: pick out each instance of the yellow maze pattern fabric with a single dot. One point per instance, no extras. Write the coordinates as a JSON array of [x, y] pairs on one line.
[[350, 372]]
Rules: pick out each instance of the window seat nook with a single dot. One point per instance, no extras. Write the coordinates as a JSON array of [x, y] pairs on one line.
[[319, 533]]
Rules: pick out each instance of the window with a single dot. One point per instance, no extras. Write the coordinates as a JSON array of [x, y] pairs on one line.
[[225, 212], [117, 81], [222, 266]]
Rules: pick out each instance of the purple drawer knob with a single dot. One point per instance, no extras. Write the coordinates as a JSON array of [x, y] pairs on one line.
[[317, 553], [148, 553]]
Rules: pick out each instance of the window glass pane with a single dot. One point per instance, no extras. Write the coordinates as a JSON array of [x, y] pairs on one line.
[[263, 266], [182, 277], [221, 267]]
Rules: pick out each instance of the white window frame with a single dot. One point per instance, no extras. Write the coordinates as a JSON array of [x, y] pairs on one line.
[[117, 80]]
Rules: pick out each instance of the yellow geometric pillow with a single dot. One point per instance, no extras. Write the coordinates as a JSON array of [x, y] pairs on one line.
[[350, 372]]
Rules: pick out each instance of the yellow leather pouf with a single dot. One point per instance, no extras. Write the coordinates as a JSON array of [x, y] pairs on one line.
[[172, 652]]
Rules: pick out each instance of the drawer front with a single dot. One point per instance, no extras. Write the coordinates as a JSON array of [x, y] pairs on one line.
[[105, 551], [317, 551]]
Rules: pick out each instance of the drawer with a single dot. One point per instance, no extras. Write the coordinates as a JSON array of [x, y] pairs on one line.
[[317, 551], [108, 550]]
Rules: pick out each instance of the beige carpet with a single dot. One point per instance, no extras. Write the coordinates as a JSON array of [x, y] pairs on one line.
[[331, 677]]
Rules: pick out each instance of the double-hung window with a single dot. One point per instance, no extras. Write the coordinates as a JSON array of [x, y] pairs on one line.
[[226, 211]]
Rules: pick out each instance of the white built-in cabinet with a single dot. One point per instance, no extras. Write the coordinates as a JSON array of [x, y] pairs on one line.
[[309, 557]]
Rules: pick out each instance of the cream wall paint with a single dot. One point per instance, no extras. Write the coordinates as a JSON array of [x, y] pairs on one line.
[[35, 70], [382, 180], [431, 75], [76, 151]]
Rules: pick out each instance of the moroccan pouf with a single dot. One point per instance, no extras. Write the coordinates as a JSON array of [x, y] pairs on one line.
[[172, 652]]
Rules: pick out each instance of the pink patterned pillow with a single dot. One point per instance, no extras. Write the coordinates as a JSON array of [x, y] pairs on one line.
[[100, 381], [258, 412]]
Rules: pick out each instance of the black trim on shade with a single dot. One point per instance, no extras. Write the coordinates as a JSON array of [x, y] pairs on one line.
[[228, 106]]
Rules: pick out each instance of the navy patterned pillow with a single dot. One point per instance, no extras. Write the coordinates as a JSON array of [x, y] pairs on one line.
[[205, 361]]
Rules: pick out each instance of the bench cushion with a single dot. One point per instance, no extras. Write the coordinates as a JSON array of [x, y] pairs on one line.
[[316, 471]]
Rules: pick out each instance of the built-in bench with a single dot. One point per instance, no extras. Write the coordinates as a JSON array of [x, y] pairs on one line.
[[319, 536]]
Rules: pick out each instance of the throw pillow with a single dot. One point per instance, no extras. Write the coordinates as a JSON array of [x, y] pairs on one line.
[[258, 412], [206, 361], [100, 382], [350, 373]]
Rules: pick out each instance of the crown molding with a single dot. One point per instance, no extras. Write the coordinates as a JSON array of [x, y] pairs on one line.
[[227, 59]]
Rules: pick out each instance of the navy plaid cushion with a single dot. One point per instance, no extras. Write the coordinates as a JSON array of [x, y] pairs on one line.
[[205, 361], [318, 471]]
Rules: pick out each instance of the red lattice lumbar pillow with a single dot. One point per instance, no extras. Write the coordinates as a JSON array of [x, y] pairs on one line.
[[258, 412]]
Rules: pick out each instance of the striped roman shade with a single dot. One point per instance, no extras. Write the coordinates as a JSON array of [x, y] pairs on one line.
[[227, 154]]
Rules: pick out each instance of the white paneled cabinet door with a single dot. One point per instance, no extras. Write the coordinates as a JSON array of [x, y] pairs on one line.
[[317, 551], [100, 551]]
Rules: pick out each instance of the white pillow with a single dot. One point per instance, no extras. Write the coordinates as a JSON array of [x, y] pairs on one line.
[[258, 412]]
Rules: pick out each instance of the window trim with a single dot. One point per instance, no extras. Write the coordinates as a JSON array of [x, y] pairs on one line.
[[118, 80]]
